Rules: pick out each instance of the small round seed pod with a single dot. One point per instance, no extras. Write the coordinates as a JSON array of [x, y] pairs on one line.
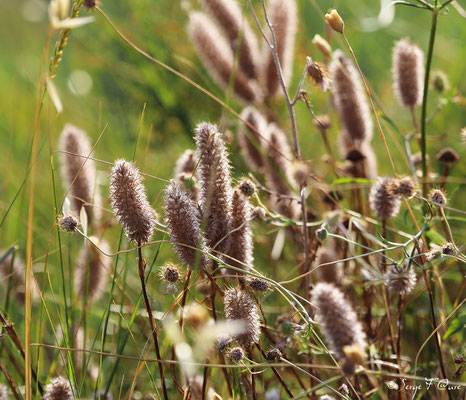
[[437, 196], [405, 186], [58, 389], [401, 280], [384, 204], [331, 271], [68, 223], [273, 354], [170, 273], [322, 45], [129, 202], [236, 354], [319, 74], [241, 308], [459, 359], [408, 73], [258, 284], [247, 187], [90, 4], [439, 81], [448, 156], [340, 324], [448, 249], [322, 123]]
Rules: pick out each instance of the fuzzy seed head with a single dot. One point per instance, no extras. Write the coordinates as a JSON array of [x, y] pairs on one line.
[[401, 280], [184, 227], [240, 253], [253, 136], [339, 322], [236, 354], [229, 18], [323, 123], [68, 223], [241, 308], [195, 315], [408, 73], [223, 341], [383, 203], [350, 100], [319, 74], [247, 187], [332, 271], [90, 4], [258, 284], [282, 15], [79, 172], [129, 202], [335, 21], [58, 389], [322, 45], [437, 196], [215, 185], [171, 273], [218, 58], [448, 156]]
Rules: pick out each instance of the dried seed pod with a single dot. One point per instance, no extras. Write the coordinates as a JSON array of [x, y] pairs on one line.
[[247, 187], [68, 223], [258, 284], [384, 204], [282, 15], [241, 308], [350, 100], [319, 74], [448, 156], [215, 186], [58, 389], [335, 21], [92, 269], [228, 16], [79, 172], [408, 73], [438, 197], [236, 354], [240, 252], [405, 186], [273, 354], [332, 272], [448, 249], [129, 202], [184, 227], [218, 58], [401, 280], [170, 273], [340, 324], [323, 123]]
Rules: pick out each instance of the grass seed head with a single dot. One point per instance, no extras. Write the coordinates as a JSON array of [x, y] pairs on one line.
[[384, 204], [322, 45], [401, 280]]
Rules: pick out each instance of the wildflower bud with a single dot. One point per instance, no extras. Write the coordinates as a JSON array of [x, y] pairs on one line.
[[58, 389], [258, 285], [236, 354], [258, 213], [170, 273], [323, 123], [322, 45], [437, 196], [247, 187], [335, 21], [322, 233], [343, 389], [68, 223]]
